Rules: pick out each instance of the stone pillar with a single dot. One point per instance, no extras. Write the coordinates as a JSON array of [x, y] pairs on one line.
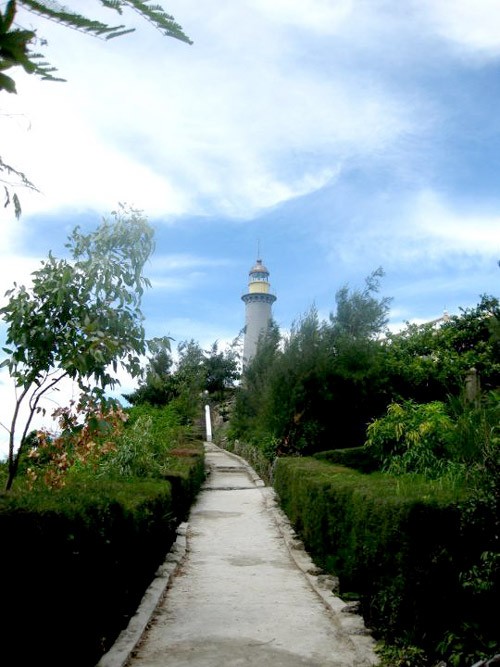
[[472, 387], [208, 423]]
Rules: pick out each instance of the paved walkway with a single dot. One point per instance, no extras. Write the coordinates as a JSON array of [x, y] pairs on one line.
[[239, 590]]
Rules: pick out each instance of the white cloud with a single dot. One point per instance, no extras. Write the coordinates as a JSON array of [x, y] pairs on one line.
[[176, 262], [449, 231], [66, 159], [323, 16], [418, 229], [238, 122], [176, 283], [472, 25], [180, 272]]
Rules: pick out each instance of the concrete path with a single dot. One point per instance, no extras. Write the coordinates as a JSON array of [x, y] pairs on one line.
[[238, 589]]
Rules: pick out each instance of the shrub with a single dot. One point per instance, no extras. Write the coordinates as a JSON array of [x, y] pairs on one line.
[[80, 555], [358, 458], [406, 547], [79, 559], [412, 438]]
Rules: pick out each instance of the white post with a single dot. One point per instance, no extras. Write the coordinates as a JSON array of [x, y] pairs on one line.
[[208, 423]]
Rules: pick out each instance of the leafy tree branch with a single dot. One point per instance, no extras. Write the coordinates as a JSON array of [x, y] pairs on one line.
[[11, 198], [16, 43], [19, 48]]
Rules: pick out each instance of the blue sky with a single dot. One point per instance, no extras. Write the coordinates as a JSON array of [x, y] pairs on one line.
[[342, 135]]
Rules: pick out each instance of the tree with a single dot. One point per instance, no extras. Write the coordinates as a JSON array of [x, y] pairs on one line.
[[190, 372], [220, 370], [159, 385], [79, 319], [316, 388], [197, 371], [360, 315], [19, 48], [431, 362]]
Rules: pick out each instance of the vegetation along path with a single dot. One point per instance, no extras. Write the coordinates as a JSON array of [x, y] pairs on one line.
[[242, 590]]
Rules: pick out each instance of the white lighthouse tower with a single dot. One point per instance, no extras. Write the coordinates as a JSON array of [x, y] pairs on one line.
[[258, 301]]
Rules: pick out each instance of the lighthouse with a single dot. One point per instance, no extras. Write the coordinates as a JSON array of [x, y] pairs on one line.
[[258, 301]]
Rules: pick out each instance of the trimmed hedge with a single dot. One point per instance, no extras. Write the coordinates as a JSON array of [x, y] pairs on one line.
[[75, 562], [399, 546], [358, 458]]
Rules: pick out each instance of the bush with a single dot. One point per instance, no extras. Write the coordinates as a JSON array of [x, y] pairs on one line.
[[412, 438], [80, 555], [79, 560], [403, 547], [358, 458]]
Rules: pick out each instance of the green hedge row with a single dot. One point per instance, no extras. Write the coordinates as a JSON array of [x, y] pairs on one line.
[[400, 546], [358, 458], [75, 562]]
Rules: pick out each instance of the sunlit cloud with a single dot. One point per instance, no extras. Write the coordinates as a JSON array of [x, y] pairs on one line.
[[209, 140], [179, 262], [323, 16], [471, 25], [453, 231]]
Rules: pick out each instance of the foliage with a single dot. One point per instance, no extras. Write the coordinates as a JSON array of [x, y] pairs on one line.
[[144, 447], [99, 533], [212, 371], [80, 318], [425, 571], [401, 655], [87, 433], [359, 314], [220, 370], [97, 546], [477, 425], [12, 198], [411, 438], [19, 48], [104, 442], [316, 387], [16, 43], [196, 371], [430, 362], [253, 403], [435, 439], [358, 458], [158, 387], [134, 455], [14, 49]]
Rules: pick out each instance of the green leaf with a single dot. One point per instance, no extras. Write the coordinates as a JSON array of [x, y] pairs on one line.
[[10, 12], [7, 83]]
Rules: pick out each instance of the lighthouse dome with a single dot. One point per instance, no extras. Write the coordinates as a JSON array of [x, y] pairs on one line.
[[259, 268]]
